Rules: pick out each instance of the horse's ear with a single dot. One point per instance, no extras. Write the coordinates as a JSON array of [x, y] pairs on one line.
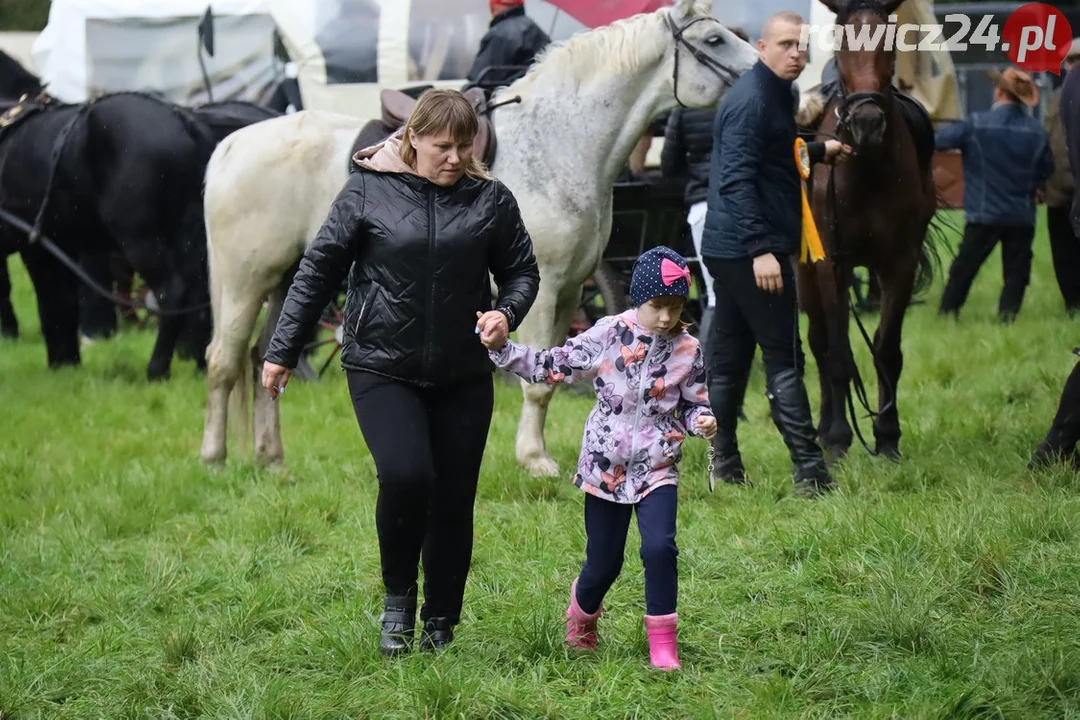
[[837, 6], [687, 8]]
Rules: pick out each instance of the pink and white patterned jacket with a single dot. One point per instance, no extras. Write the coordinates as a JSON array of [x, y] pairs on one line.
[[650, 391]]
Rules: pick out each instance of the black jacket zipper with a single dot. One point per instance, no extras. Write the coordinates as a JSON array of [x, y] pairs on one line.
[[429, 328]]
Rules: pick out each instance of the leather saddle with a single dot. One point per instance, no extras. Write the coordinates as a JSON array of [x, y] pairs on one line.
[[397, 107]]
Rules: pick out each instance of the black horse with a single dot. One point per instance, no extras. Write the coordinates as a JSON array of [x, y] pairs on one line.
[[98, 315], [15, 81], [125, 169]]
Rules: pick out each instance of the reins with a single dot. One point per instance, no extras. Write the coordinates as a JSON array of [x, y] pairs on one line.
[[857, 383], [60, 255]]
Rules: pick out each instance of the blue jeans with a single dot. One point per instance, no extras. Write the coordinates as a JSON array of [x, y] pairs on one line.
[[606, 525]]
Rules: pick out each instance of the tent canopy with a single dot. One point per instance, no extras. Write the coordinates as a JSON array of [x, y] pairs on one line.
[[93, 46]]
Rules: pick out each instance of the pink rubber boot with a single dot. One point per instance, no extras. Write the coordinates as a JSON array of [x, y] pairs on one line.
[[580, 626], [663, 641]]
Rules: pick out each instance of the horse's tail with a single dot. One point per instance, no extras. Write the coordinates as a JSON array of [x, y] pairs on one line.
[[937, 237]]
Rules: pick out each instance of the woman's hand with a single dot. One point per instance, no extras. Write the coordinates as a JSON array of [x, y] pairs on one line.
[[493, 329], [275, 378], [706, 426]]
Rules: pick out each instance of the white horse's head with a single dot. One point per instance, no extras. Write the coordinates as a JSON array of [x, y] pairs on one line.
[[706, 58]]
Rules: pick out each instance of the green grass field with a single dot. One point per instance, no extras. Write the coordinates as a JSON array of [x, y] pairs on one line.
[[135, 583]]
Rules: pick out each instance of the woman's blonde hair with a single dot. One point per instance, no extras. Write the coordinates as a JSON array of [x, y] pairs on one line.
[[438, 111]]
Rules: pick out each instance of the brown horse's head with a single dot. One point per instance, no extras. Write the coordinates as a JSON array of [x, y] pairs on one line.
[[866, 67]]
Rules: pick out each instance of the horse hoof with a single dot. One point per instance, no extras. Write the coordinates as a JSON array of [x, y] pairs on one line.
[[836, 452], [213, 459], [542, 467], [890, 452]]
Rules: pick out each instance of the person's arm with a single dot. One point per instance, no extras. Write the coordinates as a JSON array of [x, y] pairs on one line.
[[324, 265], [694, 394], [816, 151], [953, 136], [511, 260], [673, 156], [739, 137], [1045, 167], [579, 358]]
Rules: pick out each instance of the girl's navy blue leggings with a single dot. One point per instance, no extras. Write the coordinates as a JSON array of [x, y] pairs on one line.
[[606, 525]]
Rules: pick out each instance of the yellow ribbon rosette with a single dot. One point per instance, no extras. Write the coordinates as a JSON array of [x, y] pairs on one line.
[[812, 249]]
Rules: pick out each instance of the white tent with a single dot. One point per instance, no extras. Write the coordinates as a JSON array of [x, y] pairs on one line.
[[346, 51], [93, 46]]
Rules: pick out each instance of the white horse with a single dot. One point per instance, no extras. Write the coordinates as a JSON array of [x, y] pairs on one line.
[[584, 105]]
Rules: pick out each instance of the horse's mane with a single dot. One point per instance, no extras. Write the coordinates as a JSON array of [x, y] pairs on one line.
[[619, 47], [16, 76]]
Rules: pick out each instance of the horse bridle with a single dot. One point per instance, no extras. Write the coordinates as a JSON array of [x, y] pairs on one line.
[[850, 102], [721, 70]]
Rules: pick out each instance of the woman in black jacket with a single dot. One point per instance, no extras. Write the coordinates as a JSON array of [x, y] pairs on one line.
[[418, 226]]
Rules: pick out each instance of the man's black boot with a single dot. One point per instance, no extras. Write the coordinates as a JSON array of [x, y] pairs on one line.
[[398, 624], [725, 397], [438, 632], [791, 414]]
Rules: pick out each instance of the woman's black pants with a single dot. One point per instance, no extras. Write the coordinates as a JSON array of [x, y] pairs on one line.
[[427, 444]]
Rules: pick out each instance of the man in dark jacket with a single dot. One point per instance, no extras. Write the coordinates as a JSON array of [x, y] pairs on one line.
[[753, 229], [1069, 110], [512, 39], [1064, 243], [1064, 433], [1006, 155]]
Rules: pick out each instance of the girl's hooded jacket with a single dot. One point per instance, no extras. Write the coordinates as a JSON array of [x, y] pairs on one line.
[[650, 391]]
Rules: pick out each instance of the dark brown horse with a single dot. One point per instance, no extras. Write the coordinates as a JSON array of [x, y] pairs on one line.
[[873, 211]]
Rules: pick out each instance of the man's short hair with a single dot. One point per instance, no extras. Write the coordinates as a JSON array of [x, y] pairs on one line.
[[789, 16]]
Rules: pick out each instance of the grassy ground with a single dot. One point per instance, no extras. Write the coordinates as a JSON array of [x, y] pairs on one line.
[[134, 583]]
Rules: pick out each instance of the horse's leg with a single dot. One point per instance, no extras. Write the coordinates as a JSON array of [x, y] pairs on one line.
[[171, 291], [9, 324], [235, 313], [836, 436], [896, 288], [58, 305], [540, 329], [97, 314], [268, 448]]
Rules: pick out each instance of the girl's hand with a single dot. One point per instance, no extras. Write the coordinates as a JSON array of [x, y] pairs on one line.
[[275, 378], [706, 425]]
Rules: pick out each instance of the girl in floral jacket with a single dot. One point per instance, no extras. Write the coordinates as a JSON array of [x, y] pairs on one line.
[[651, 390]]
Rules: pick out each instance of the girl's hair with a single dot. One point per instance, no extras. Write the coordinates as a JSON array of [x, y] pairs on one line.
[[438, 111]]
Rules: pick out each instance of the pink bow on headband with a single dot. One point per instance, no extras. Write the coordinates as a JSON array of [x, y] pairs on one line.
[[670, 272]]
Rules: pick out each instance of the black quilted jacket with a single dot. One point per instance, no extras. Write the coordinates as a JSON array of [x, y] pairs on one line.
[[688, 140], [418, 257]]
